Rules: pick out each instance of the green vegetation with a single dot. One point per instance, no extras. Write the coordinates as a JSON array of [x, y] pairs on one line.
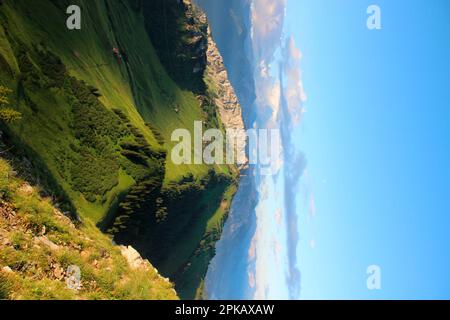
[[179, 35], [97, 132], [7, 114], [38, 243]]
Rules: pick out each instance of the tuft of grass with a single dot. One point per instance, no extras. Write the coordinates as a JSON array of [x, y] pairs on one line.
[[5, 287]]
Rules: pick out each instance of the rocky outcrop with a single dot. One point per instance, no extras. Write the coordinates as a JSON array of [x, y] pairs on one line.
[[225, 98], [232, 39], [226, 101], [136, 262], [134, 259]]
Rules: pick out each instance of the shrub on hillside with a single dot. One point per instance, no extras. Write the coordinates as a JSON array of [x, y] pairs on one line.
[[7, 114]]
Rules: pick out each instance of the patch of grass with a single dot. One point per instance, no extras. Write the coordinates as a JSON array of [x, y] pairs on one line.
[[7, 114], [17, 239], [5, 287]]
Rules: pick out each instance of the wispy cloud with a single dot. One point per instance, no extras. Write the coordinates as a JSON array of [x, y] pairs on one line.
[[295, 164], [292, 99], [268, 22], [294, 91], [279, 104]]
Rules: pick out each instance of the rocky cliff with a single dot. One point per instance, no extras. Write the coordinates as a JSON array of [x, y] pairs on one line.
[[225, 97]]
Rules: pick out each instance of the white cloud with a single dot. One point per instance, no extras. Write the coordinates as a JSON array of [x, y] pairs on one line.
[[294, 92], [268, 21]]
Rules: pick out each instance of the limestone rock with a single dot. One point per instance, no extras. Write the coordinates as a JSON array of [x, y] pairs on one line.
[[134, 259], [46, 242], [226, 101], [7, 270]]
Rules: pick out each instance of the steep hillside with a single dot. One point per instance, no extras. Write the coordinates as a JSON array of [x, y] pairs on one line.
[[98, 109], [39, 245]]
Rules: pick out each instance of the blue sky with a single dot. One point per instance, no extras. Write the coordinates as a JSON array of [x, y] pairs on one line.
[[372, 149], [376, 135]]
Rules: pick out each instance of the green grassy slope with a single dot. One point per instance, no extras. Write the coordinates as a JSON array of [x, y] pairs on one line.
[[38, 244], [97, 130], [87, 56]]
